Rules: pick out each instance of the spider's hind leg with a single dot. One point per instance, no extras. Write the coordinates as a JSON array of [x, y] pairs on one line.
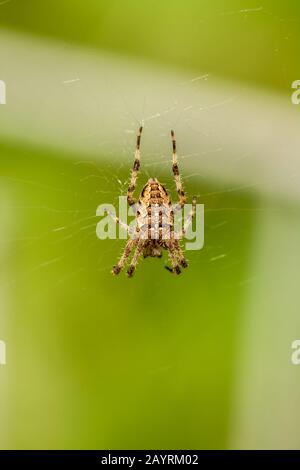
[[126, 253], [182, 261], [172, 252], [135, 258], [176, 270]]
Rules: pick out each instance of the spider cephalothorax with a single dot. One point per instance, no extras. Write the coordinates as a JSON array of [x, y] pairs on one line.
[[154, 213]]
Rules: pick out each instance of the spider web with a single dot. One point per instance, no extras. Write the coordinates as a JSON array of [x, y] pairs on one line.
[[105, 181]]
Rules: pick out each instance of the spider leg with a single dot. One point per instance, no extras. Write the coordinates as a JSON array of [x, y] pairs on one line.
[[190, 217], [182, 261], [117, 220], [135, 258], [188, 220], [177, 208], [175, 169], [135, 169], [173, 258], [126, 253]]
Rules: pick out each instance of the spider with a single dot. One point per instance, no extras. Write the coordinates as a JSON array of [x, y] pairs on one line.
[[154, 214]]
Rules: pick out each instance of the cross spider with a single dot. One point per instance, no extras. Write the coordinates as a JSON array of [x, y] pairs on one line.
[[151, 233]]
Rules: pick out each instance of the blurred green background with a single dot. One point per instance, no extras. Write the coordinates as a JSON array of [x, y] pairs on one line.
[[196, 361]]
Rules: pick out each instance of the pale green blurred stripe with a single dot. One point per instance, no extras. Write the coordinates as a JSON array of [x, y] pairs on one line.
[[266, 399], [91, 103], [6, 305], [248, 40]]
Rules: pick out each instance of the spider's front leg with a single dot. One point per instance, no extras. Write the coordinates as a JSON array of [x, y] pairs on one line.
[[135, 169], [176, 173]]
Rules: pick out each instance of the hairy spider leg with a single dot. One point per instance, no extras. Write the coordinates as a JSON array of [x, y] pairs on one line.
[[180, 256], [173, 258], [126, 253], [135, 258], [117, 220], [176, 173], [188, 220], [135, 169]]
